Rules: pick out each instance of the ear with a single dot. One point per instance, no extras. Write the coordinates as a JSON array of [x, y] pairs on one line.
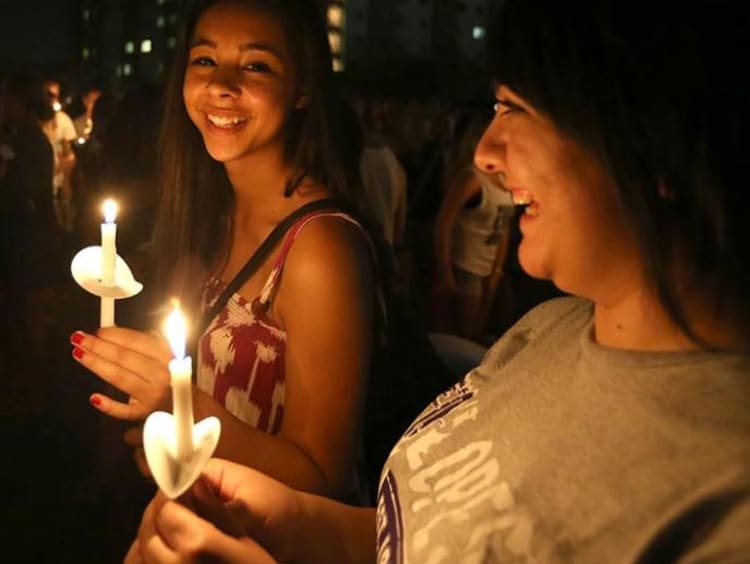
[[302, 102]]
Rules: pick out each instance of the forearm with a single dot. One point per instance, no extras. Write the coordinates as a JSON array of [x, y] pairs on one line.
[[335, 532], [271, 454]]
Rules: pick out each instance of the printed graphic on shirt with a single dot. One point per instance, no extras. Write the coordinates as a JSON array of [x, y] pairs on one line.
[[389, 525], [450, 503], [441, 406]]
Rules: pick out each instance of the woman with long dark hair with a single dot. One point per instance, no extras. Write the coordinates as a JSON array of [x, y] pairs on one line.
[[249, 137]]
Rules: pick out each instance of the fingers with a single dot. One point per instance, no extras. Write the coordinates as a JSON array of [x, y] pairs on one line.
[[150, 344], [184, 537], [142, 376], [134, 554], [131, 411]]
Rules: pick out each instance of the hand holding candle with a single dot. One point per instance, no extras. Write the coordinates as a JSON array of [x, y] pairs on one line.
[[180, 372]]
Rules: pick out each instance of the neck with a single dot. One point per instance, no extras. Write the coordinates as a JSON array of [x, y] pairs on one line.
[[638, 322]]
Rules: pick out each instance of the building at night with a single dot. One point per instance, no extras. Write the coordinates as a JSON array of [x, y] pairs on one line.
[[117, 44]]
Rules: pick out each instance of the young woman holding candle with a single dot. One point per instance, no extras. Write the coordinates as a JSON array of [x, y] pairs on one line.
[[248, 138], [609, 427]]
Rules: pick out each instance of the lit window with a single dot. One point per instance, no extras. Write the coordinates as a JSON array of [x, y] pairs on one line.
[[146, 46], [160, 21], [334, 39], [477, 32], [129, 47], [127, 69], [338, 65], [335, 16], [85, 52], [86, 15], [172, 42]]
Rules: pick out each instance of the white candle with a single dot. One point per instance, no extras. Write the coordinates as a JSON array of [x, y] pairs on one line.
[[180, 372], [109, 254], [109, 249]]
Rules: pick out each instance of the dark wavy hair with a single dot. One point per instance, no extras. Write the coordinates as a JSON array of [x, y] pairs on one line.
[[196, 197], [659, 96]]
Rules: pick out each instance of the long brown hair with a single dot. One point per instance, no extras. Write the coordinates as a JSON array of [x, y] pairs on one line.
[[196, 197]]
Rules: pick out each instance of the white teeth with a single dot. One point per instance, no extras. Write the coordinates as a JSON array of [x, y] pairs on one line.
[[220, 121]]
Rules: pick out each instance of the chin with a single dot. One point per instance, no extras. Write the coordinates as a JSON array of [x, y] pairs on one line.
[[532, 265]]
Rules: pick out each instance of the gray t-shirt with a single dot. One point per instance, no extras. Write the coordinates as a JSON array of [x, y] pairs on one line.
[[556, 449]]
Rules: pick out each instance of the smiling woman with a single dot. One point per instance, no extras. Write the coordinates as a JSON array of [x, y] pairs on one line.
[[248, 139]]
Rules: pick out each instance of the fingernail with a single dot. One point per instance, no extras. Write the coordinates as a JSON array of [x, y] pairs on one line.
[[77, 353], [76, 338], [95, 401]]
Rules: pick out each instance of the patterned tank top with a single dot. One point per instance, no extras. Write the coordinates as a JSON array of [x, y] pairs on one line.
[[241, 353]]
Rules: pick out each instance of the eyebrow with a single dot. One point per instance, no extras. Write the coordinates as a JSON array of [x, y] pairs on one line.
[[252, 46]]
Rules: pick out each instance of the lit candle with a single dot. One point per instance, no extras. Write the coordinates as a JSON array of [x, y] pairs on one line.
[[180, 372], [109, 255]]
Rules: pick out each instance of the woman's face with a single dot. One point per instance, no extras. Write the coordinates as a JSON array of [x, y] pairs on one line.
[[573, 230], [240, 84]]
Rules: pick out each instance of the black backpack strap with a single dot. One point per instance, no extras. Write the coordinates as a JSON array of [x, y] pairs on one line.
[[260, 254]]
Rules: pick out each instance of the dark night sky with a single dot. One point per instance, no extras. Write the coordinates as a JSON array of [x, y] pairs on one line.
[[33, 33]]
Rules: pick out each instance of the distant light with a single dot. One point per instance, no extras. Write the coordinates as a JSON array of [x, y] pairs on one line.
[[335, 16], [57, 106], [334, 40], [127, 69], [172, 42], [85, 52], [477, 32], [86, 15], [160, 21], [146, 46], [118, 70], [129, 47], [338, 65], [81, 140]]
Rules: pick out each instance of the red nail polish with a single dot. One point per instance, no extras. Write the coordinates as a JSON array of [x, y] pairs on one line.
[[77, 353], [95, 400], [76, 338]]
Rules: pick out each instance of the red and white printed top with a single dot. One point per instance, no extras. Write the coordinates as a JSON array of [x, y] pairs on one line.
[[241, 353]]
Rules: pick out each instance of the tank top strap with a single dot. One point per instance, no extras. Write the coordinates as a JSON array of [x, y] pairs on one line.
[[273, 278]]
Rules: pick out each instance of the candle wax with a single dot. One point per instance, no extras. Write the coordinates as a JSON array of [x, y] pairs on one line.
[[180, 370]]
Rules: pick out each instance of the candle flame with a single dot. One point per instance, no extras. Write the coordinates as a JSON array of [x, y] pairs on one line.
[[109, 208], [175, 329]]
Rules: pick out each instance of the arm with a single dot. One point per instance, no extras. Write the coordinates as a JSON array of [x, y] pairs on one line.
[[463, 187], [325, 302]]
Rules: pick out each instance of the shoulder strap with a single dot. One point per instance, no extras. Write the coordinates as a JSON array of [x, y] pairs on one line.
[[259, 256], [291, 236]]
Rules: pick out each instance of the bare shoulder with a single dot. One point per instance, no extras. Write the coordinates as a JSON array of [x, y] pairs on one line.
[[332, 240], [330, 260]]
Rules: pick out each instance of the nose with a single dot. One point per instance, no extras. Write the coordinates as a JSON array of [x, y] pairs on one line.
[[489, 155], [224, 83]]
